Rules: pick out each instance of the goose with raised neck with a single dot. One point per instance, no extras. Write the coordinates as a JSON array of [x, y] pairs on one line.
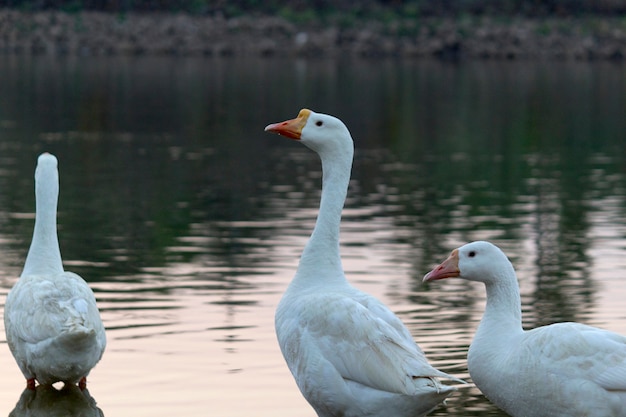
[[44, 254], [349, 354], [52, 323], [559, 370]]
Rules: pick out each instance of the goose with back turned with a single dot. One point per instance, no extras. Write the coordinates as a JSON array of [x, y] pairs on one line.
[[350, 355], [559, 370], [53, 326]]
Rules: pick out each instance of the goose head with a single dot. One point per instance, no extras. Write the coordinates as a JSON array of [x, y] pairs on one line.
[[322, 133], [46, 177], [477, 261]]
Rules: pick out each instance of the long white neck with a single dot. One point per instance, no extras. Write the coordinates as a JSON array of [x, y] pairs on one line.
[[503, 313], [44, 255], [321, 260], [499, 329]]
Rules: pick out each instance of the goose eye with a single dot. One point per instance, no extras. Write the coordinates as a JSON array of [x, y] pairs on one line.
[[319, 123], [471, 254]]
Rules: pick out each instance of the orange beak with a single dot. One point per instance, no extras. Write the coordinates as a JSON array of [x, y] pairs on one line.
[[448, 268], [291, 128]]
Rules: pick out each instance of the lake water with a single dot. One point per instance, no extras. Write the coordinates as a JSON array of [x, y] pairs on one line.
[[188, 220]]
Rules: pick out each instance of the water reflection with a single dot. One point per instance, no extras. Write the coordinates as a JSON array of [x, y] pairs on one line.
[[188, 221], [48, 401]]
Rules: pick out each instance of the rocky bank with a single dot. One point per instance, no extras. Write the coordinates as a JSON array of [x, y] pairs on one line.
[[95, 33]]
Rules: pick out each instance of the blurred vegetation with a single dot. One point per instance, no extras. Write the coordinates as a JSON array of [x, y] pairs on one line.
[[324, 8]]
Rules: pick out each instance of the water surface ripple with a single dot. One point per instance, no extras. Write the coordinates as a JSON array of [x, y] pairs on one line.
[[188, 220]]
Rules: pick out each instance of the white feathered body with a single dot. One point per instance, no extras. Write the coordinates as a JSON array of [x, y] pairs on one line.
[[352, 357], [349, 354], [53, 327], [561, 370]]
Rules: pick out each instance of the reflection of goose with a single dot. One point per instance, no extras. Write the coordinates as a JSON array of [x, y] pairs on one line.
[[47, 401], [560, 370], [349, 354], [52, 323]]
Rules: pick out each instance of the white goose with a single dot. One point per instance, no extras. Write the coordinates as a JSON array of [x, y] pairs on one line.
[[52, 323], [349, 354], [560, 370]]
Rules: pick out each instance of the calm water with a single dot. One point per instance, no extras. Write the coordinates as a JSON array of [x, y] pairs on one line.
[[188, 220]]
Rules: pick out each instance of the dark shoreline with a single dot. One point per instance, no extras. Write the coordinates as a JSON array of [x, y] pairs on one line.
[[97, 33]]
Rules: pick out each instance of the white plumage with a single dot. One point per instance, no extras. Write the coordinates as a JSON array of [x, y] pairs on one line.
[[349, 354], [52, 323], [560, 370]]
